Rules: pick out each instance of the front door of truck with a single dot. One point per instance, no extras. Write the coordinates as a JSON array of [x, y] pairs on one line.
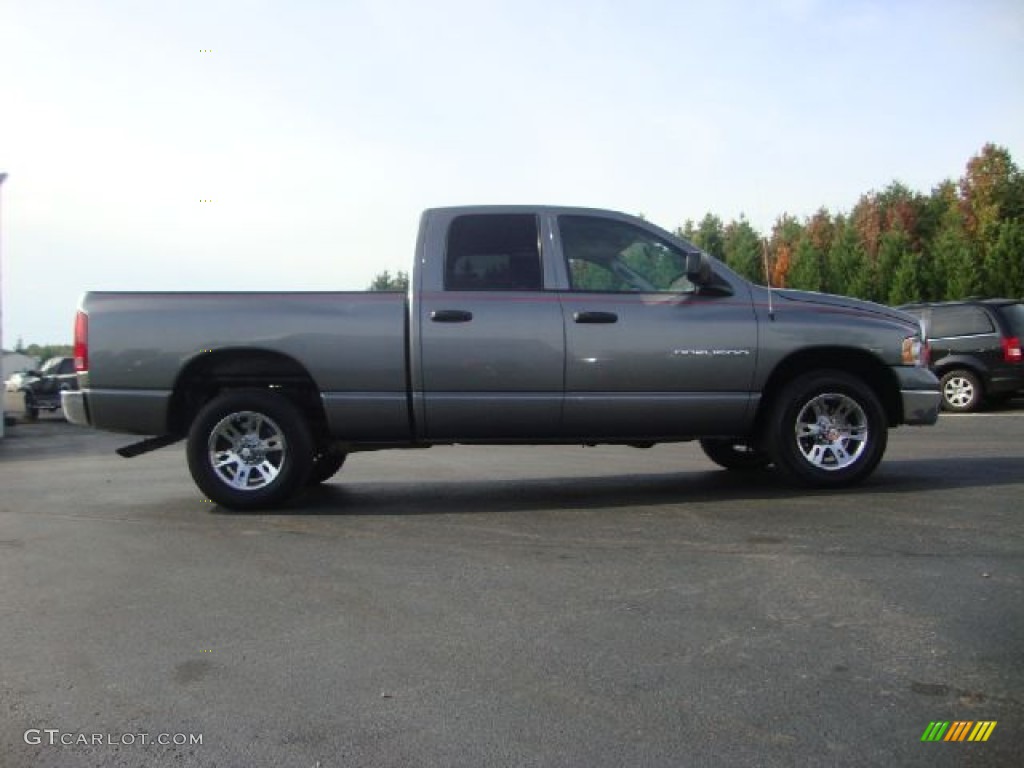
[[648, 355], [492, 350]]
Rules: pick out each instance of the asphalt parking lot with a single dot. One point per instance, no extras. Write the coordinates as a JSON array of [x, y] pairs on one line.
[[513, 607]]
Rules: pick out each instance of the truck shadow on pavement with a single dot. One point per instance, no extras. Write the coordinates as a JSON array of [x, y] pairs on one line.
[[893, 478]]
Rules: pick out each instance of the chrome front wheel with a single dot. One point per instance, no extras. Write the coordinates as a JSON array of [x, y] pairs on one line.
[[827, 429], [832, 431]]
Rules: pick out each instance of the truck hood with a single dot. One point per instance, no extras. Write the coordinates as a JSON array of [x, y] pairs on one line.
[[831, 301]]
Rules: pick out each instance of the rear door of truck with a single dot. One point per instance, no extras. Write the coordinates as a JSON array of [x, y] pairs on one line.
[[488, 347]]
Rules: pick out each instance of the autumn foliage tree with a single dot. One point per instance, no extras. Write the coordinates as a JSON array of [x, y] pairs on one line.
[[896, 246]]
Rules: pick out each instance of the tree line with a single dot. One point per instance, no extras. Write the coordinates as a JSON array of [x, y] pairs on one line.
[[964, 238], [43, 352]]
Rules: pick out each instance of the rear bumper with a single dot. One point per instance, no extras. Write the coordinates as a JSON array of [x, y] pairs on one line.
[[75, 407], [134, 411], [919, 391]]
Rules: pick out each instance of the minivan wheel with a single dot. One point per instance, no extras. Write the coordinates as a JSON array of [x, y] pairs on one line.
[[249, 449], [961, 391], [827, 429]]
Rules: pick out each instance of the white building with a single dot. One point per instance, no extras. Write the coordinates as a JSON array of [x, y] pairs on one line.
[[3, 416], [15, 361]]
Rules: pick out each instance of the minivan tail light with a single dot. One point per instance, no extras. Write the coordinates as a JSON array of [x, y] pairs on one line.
[[1011, 349], [81, 341]]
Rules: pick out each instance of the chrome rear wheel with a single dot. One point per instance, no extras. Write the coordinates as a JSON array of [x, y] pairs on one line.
[[250, 449]]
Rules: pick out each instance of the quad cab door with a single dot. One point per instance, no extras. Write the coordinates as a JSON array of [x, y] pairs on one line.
[[650, 354], [490, 363]]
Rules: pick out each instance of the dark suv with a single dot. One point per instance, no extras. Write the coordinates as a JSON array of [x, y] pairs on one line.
[[976, 349]]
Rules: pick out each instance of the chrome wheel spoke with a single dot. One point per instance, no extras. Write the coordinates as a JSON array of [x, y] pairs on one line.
[[231, 434], [241, 478], [223, 458], [816, 454], [267, 471], [831, 431], [247, 450]]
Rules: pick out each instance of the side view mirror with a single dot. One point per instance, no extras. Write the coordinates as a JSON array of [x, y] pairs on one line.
[[698, 268]]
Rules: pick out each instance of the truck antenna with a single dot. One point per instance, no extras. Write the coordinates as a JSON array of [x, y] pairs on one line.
[[767, 276]]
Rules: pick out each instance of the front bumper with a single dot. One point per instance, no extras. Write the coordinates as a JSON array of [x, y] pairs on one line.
[[919, 391], [75, 407]]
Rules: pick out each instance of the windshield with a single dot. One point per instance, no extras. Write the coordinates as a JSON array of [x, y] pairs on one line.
[[50, 366]]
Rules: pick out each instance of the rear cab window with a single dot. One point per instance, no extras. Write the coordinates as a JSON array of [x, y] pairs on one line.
[[493, 252]]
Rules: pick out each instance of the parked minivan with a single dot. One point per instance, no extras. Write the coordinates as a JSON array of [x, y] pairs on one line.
[[975, 348]]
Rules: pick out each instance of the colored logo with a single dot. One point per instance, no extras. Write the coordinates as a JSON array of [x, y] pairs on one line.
[[959, 730]]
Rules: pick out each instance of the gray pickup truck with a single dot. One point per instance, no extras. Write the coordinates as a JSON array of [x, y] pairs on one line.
[[521, 325]]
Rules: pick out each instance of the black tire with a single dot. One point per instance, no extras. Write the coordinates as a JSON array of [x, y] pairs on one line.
[[249, 449], [827, 430], [325, 466], [31, 409], [736, 455], [961, 391]]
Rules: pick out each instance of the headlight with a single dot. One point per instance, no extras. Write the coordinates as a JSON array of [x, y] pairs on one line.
[[916, 352]]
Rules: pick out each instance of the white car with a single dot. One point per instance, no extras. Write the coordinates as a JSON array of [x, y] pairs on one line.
[[17, 380]]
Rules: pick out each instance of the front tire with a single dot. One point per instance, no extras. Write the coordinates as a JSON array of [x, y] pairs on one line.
[[249, 449], [828, 430], [961, 391]]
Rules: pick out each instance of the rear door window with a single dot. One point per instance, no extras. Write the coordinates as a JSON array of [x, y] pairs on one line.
[[959, 321], [493, 252]]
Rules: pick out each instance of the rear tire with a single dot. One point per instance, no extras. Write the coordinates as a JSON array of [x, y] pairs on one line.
[[325, 466], [31, 409], [828, 430], [961, 391], [736, 455], [249, 449]]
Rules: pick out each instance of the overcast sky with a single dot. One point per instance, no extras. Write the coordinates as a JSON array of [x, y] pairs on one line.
[[319, 129]]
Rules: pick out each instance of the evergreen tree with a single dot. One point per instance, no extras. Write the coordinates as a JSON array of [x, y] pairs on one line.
[[893, 247], [808, 270], [742, 249], [848, 265], [385, 282], [1004, 262], [906, 286], [710, 236], [955, 257]]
